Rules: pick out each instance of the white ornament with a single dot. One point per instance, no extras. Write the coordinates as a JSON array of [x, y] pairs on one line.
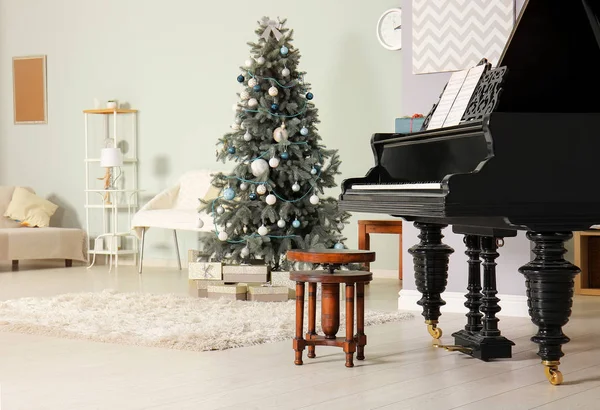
[[238, 120], [252, 82], [244, 95], [281, 223], [280, 134], [274, 162], [235, 126], [243, 186], [200, 223], [259, 167], [228, 224], [262, 231], [285, 72], [248, 63], [245, 229], [252, 102], [220, 210], [271, 199], [273, 91], [245, 251], [314, 199], [340, 226], [295, 187], [247, 136], [261, 189], [223, 236], [260, 60]]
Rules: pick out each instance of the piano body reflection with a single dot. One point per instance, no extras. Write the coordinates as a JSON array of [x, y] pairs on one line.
[[518, 160]]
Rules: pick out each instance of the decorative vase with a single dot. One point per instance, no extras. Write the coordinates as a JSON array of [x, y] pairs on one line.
[[112, 104]]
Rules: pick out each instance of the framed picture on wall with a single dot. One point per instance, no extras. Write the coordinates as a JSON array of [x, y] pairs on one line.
[[29, 90]]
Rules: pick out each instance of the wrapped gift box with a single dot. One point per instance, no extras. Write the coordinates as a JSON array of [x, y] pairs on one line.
[[199, 287], [235, 292], [408, 125], [246, 273], [197, 256], [268, 293], [205, 270], [283, 279]]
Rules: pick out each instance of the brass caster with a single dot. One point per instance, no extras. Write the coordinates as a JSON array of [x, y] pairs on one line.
[[434, 331], [553, 375]]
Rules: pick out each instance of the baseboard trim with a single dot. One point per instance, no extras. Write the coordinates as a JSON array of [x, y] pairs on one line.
[[512, 305]]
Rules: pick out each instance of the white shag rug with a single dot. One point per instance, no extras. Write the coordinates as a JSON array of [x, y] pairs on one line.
[[162, 320]]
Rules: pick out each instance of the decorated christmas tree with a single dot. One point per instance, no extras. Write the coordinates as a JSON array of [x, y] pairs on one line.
[[273, 200]]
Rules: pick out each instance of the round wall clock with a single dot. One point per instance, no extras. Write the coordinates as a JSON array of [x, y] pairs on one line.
[[389, 29]]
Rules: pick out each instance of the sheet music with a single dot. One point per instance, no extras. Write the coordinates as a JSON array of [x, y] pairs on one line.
[[464, 96], [447, 100]]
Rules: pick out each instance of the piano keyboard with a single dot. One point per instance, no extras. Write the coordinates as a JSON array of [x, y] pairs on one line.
[[397, 187]]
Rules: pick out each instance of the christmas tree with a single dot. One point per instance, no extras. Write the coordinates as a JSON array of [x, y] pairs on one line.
[[273, 200]]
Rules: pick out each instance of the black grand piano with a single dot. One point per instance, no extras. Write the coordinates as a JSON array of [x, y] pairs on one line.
[[520, 159]]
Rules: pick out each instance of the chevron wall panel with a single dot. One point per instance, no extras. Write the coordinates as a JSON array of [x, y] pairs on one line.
[[450, 35]]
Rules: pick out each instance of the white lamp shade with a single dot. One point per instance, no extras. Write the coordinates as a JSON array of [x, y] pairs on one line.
[[111, 157]]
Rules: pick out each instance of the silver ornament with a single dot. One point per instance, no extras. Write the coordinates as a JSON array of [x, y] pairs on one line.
[[295, 187], [245, 251], [247, 136], [223, 236], [281, 223], [243, 186], [340, 226], [285, 72], [263, 230], [220, 210], [238, 120], [314, 199]]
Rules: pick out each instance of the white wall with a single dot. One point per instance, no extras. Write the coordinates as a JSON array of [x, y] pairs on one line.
[[177, 62]]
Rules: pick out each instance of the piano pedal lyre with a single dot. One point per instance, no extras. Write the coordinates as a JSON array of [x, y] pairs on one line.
[[454, 348], [433, 330]]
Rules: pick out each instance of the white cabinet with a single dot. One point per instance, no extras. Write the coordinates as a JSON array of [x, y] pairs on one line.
[[111, 192]]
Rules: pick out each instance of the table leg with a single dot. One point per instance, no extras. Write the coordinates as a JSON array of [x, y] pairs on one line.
[[312, 315], [364, 242], [299, 342], [330, 309], [360, 338], [349, 344]]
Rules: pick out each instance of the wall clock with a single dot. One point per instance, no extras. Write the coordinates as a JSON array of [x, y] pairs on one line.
[[389, 29]]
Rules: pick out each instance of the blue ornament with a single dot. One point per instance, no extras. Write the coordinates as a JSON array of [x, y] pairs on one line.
[[304, 131], [285, 155], [256, 88], [240, 78], [252, 196], [339, 245], [296, 223], [284, 50], [274, 107], [309, 96], [228, 194], [231, 150]]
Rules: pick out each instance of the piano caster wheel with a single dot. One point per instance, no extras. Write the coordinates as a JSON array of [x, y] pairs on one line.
[[434, 331], [553, 375]]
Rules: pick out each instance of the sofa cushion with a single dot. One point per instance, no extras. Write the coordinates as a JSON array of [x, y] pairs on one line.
[[29, 209], [6, 193]]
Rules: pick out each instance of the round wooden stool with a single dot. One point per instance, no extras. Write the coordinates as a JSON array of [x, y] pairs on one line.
[[330, 280]]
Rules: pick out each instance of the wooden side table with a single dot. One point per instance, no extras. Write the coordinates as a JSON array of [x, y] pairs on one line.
[[330, 280], [367, 227]]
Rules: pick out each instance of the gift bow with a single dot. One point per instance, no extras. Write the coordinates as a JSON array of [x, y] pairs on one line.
[[271, 28], [207, 269]]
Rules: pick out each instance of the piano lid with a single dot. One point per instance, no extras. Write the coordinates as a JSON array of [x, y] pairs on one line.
[[553, 58]]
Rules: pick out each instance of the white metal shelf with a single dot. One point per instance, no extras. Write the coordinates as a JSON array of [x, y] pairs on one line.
[[122, 201]]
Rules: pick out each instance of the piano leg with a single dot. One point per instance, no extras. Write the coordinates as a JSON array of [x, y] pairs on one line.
[[430, 259], [482, 338], [549, 282]]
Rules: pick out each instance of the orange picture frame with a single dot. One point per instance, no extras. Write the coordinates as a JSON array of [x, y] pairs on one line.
[[30, 90]]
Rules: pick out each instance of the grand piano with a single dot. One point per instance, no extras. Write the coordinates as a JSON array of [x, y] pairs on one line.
[[520, 159]]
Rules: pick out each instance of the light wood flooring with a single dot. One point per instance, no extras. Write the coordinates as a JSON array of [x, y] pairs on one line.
[[401, 371]]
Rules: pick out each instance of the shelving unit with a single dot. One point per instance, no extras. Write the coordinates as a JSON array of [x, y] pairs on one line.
[[108, 224], [587, 257]]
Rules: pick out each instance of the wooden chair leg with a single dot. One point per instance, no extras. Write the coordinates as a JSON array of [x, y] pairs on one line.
[[299, 342], [312, 318], [360, 337], [349, 344]]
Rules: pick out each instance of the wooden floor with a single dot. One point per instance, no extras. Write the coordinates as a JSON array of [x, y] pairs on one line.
[[401, 371]]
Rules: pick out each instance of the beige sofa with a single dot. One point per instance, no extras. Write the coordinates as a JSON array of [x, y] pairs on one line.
[[22, 243]]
